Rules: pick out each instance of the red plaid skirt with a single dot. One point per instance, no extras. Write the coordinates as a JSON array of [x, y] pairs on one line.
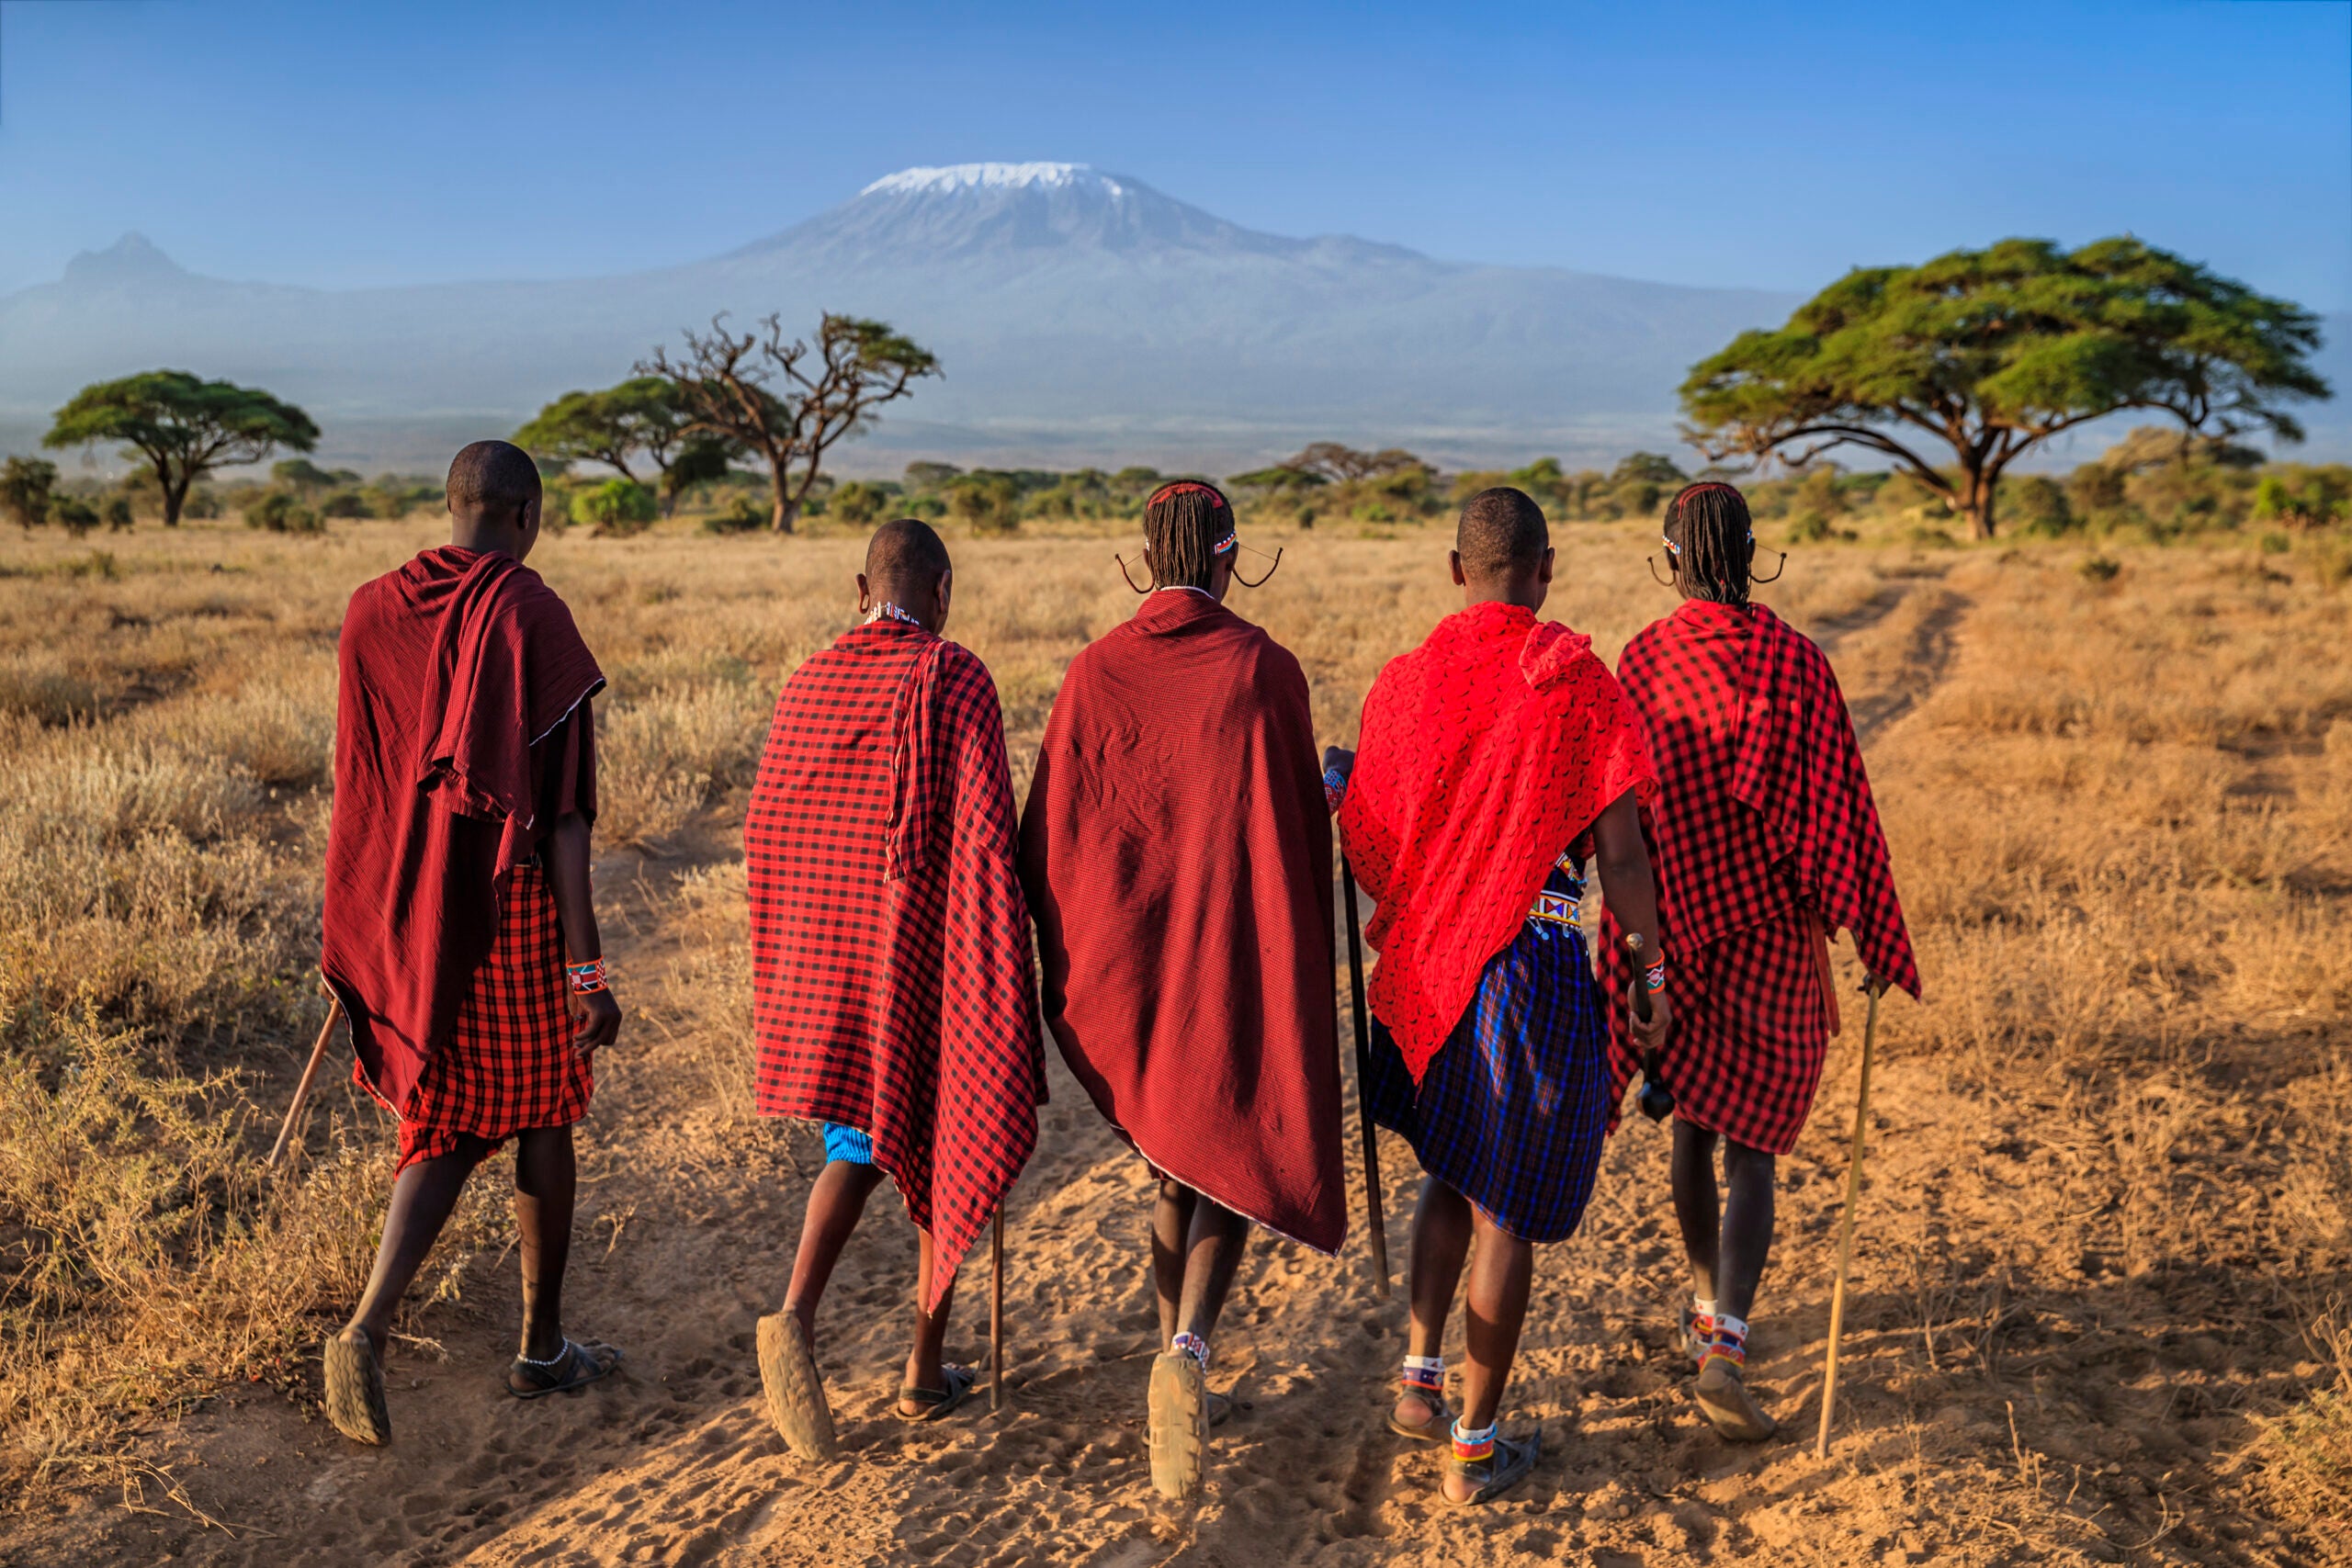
[[1752, 1019], [509, 1066]]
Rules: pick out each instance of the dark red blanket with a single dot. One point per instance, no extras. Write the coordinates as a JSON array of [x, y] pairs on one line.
[[893, 990], [1763, 801], [457, 672], [1483, 752], [1178, 855]]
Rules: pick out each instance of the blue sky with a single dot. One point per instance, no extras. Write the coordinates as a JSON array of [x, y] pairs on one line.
[[1752, 144]]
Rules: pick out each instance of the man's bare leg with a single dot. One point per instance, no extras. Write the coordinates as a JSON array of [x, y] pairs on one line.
[[925, 1368], [1500, 1276], [1747, 1226], [424, 1196], [836, 1202], [1697, 1204], [1442, 1225], [1171, 1228], [1213, 1249], [546, 1184]]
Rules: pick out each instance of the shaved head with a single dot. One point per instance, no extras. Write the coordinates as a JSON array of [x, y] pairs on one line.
[[491, 476], [1501, 533], [905, 553]]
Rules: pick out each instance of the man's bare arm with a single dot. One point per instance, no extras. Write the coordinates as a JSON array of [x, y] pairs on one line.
[[596, 1016], [1623, 861]]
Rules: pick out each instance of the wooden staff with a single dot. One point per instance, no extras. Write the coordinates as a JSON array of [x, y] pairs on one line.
[[1873, 987], [995, 1313], [311, 1071], [1364, 1082]]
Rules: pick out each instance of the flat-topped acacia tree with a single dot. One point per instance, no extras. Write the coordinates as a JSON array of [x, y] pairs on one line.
[[183, 426], [1990, 352], [790, 401]]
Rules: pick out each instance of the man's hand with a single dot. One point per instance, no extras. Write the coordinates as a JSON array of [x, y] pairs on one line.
[[1651, 1036], [595, 1019]]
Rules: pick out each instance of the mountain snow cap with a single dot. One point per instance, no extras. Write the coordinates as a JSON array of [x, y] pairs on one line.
[[950, 178]]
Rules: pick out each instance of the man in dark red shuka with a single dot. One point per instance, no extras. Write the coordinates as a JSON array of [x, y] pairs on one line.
[[1177, 851], [894, 996], [456, 883], [1497, 758], [1767, 843]]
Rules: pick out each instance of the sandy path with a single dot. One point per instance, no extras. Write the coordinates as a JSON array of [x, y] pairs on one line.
[[687, 1232]]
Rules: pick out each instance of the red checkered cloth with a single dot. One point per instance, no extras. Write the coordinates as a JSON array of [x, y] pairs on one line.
[[1484, 753], [1178, 854], [1766, 840], [890, 956], [509, 1066]]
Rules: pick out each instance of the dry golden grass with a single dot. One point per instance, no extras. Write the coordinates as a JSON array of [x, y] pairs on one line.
[[2122, 813]]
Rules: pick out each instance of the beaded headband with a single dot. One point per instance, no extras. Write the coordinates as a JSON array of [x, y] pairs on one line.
[[1194, 487]]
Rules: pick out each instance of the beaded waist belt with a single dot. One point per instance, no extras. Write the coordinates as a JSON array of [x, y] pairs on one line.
[[1562, 908]]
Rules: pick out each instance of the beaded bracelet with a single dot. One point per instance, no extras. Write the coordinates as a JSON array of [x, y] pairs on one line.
[[1335, 788], [1654, 978], [587, 977]]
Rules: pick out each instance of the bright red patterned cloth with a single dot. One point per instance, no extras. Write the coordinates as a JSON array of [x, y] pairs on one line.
[[893, 990], [1765, 835], [453, 759], [1178, 854], [509, 1066], [1483, 752]]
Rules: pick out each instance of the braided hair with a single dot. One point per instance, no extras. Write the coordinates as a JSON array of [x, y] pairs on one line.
[[1186, 525], [1711, 541]]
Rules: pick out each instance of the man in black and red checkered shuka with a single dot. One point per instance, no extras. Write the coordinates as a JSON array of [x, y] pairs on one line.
[[1767, 844], [461, 934], [894, 997]]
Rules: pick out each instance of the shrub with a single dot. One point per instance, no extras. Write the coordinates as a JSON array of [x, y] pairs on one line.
[[2276, 544], [990, 503], [117, 512], [203, 502], [24, 486], [742, 515], [347, 503], [2037, 505], [2100, 569], [278, 512], [617, 508], [72, 514], [859, 501]]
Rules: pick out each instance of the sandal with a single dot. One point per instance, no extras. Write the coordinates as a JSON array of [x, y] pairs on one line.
[[1220, 1408], [1511, 1463], [796, 1394], [354, 1391], [1178, 1427], [576, 1366], [936, 1402], [1438, 1428]]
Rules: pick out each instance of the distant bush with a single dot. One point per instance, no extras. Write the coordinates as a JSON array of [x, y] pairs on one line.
[[202, 501], [988, 503], [742, 515], [859, 501], [72, 514], [347, 503], [278, 512], [24, 486], [2100, 569], [117, 512], [617, 508]]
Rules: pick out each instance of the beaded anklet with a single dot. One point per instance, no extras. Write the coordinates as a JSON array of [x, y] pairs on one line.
[[1730, 1342], [1192, 1344], [1471, 1445]]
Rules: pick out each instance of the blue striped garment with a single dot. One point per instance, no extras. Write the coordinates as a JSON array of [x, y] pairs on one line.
[[1514, 1109], [848, 1143]]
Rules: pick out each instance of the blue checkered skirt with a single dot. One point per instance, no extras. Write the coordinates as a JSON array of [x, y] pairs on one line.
[[1514, 1109]]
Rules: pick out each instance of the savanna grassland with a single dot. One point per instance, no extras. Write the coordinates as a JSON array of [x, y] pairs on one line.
[[2103, 1290]]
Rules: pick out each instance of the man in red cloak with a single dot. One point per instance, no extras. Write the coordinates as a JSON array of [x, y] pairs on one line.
[[457, 882], [1177, 851], [1767, 842], [894, 997], [1495, 759]]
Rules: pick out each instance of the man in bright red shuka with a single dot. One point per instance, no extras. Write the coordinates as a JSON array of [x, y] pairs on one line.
[[457, 883], [1177, 849], [1768, 843]]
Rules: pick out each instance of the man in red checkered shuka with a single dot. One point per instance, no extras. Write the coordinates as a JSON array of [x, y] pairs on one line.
[[893, 993], [457, 886], [1767, 842]]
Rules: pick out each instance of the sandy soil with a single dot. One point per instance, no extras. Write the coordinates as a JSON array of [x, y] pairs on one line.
[[1972, 1429]]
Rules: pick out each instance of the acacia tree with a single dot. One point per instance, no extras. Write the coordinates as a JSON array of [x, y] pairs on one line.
[[1991, 352], [789, 402], [184, 428]]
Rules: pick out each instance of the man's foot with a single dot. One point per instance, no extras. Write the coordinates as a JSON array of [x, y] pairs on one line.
[[574, 1366], [931, 1403], [1421, 1417], [354, 1388], [1723, 1396], [796, 1394], [1469, 1482], [1180, 1434]]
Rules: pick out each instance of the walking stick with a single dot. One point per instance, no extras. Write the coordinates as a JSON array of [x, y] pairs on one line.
[[1363, 1081], [995, 1313], [311, 1071], [1873, 987]]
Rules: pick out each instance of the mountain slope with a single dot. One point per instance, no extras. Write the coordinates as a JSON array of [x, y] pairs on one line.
[[1076, 313]]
